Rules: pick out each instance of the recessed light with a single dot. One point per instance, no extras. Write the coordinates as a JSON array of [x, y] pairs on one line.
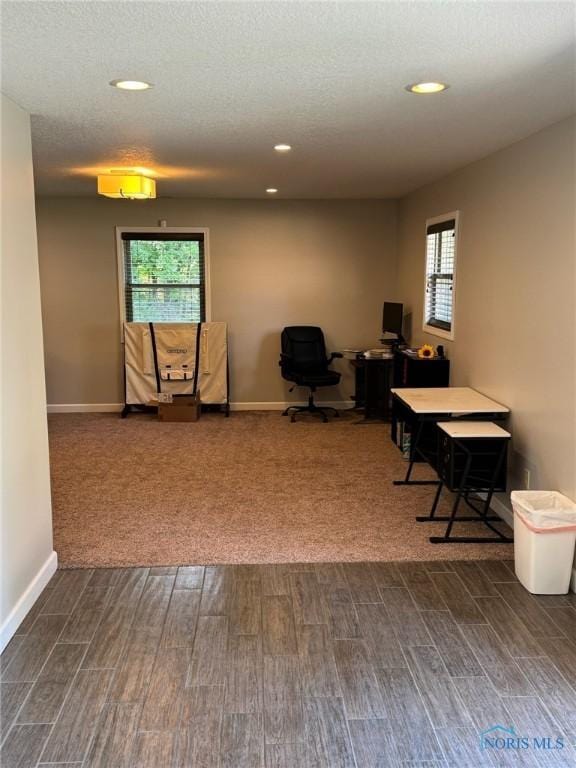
[[427, 87], [271, 190], [131, 85], [282, 147]]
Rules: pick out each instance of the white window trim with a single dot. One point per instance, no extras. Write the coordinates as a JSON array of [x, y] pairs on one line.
[[432, 329], [161, 231]]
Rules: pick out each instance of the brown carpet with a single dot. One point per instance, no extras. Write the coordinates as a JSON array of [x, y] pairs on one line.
[[253, 488]]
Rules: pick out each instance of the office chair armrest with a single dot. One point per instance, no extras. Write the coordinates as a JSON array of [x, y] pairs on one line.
[[334, 355], [284, 359]]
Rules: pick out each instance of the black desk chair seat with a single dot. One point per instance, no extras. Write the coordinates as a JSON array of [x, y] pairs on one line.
[[304, 362]]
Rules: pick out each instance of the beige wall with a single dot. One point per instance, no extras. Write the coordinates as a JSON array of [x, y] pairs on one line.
[[333, 262], [26, 519], [273, 263], [515, 295]]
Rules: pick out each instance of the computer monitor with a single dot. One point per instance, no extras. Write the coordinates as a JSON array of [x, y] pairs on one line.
[[392, 317]]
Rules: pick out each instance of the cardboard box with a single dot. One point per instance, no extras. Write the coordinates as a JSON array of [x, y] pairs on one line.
[[182, 408]]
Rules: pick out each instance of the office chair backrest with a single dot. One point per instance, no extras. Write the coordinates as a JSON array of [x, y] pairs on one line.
[[304, 346]]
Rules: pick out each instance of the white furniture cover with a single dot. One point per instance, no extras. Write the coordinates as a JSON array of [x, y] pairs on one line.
[[176, 361]]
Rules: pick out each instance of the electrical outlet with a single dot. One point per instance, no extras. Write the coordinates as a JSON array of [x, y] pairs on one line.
[[526, 479]]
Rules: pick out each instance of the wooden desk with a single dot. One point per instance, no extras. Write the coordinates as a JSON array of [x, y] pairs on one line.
[[471, 460], [373, 379], [420, 407], [458, 408], [413, 371], [448, 400]]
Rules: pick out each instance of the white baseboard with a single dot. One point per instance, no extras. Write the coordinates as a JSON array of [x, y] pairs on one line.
[[281, 405], [27, 600], [85, 407], [504, 511], [262, 406]]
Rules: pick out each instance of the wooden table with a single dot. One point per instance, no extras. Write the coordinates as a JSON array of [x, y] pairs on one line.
[[425, 407], [457, 401]]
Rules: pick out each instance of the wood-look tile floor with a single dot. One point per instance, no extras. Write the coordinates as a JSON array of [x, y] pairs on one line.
[[352, 665]]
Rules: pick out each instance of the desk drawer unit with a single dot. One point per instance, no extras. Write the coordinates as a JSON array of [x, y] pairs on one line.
[[413, 371]]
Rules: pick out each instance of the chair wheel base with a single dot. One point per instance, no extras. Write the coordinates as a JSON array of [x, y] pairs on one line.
[[315, 410]]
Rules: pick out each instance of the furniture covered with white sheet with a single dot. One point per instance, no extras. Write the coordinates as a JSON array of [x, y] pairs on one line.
[[162, 357]]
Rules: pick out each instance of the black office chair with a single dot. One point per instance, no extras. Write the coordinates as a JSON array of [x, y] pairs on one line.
[[303, 360]]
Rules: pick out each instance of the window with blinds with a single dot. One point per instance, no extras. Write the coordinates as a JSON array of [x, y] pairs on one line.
[[440, 268], [164, 277]]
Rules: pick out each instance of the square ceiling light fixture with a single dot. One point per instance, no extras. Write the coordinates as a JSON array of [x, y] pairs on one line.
[[130, 186]]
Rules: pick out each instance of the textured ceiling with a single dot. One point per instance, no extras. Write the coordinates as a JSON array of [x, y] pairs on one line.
[[234, 78]]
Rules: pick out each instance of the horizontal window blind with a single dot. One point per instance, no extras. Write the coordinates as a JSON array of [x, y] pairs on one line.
[[164, 277], [440, 257]]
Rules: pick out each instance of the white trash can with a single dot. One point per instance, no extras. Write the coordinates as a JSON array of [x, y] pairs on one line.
[[544, 540]]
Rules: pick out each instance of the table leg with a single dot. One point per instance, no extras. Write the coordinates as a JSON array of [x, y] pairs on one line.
[[431, 517], [414, 450], [481, 516]]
